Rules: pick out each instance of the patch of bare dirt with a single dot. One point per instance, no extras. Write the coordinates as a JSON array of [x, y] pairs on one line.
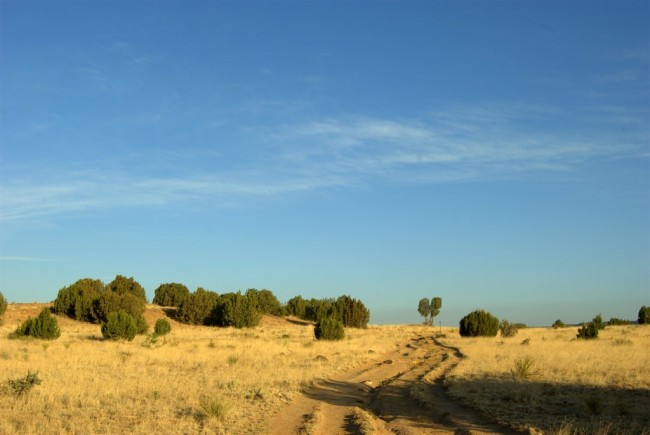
[[401, 394]]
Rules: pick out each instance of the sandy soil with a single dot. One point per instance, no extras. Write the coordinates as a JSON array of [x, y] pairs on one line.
[[402, 394]]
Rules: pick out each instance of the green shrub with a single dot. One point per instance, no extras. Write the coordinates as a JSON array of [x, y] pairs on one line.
[[141, 325], [351, 312], [613, 321], [644, 315], [21, 386], [162, 327], [296, 307], [329, 329], [3, 306], [198, 307], [170, 295], [479, 323], [124, 285], [235, 309], [558, 324], [508, 329], [112, 302], [598, 322], [44, 326], [588, 331], [77, 300], [317, 309], [119, 325], [265, 301]]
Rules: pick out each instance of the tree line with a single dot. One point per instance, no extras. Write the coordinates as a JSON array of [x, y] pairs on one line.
[[119, 307]]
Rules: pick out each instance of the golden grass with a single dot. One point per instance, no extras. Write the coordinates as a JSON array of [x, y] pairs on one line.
[[223, 380], [570, 385], [94, 386]]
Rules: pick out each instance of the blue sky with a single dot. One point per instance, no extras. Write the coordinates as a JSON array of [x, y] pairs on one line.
[[495, 154]]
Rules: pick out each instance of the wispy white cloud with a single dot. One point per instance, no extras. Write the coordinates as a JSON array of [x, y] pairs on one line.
[[461, 143]]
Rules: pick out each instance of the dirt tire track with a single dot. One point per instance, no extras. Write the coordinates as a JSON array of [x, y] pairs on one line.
[[403, 394]]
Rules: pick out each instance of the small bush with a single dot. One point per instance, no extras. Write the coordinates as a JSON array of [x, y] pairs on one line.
[[120, 325], [141, 325], [44, 326], [329, 329], [508, 329], [523, 368], [21, 386], [479, 323], [598, 322], [588, 331], [3, 306], [558, 324], [162, 327], [213, 407]]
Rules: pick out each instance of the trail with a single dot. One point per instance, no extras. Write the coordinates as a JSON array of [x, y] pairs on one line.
[[402, 394]]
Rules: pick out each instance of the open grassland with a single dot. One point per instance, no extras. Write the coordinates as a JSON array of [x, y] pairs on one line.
[[223, 380], [547, 379], [194, 380]]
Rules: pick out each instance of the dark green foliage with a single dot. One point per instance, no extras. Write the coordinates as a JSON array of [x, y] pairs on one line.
[[170, 295], [119, 325], [141, 325], [123, 285], [615, 321], [112, 302], [162, 327], [508, 329], [588, 331], [434, 309], [265, 301], [317, 309], [429, 309], [198, 307], [424, 307], [598, 322], [644, 315], [558, 324], [296, 307], [235, 309], [479, 323], [21, 386], [329, 328], [77, 300], [3, 305], [44, 326], [351, 312]]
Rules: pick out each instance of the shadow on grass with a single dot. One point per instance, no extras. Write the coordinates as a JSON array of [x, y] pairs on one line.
[[556, 408]]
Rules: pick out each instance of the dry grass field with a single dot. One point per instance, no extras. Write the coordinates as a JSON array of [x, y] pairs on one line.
[[547, 379], [195, 380], [224, 380]]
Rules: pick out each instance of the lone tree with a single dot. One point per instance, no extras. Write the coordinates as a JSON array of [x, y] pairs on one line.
[[429, 309]]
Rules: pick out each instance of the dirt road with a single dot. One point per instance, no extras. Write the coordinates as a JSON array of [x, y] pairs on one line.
[[402, 394]]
